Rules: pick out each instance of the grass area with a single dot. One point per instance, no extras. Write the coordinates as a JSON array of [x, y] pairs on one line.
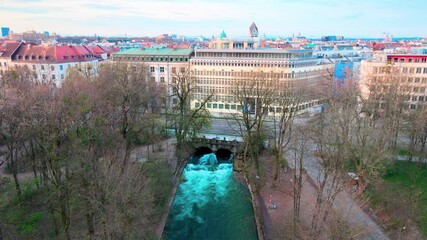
[[27, 220], [402, 194]]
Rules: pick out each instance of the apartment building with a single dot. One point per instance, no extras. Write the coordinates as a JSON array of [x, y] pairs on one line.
[[218, 70], [49, 63], [7, 49], [407, 72], [161, 62]]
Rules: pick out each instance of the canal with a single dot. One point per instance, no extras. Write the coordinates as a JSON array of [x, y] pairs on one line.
[[211, 203]]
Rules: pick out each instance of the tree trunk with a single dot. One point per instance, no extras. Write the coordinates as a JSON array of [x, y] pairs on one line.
[[52, 214], [90, 225], [65, 216], [14, 168]]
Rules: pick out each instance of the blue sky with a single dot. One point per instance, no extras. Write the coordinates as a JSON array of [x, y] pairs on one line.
[[312, 18]]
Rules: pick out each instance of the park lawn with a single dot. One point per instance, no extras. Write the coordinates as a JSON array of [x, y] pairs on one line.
[[402, 180], [29, 219]]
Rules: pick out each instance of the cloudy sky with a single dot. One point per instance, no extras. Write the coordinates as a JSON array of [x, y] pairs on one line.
[[312, 18]]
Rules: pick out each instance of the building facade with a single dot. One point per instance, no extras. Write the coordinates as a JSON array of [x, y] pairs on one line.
[[406, 72], [5, 31], [49, 63], [218, 71], [162, 63]]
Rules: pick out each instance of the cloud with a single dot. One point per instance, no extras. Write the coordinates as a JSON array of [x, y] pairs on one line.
[[313, 17]]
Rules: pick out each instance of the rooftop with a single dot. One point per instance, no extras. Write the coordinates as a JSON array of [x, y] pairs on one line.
[[156, 51], [257, 50]]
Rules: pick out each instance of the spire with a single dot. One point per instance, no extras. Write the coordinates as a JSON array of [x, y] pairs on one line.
[[253, 30]]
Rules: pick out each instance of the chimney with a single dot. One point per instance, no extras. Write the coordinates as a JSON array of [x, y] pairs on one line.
[[29, 46]]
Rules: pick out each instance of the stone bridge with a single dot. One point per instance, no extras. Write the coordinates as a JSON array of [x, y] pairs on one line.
[[216, 144]]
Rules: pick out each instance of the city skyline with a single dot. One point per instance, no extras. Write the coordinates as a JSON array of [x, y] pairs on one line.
[[311, 18]]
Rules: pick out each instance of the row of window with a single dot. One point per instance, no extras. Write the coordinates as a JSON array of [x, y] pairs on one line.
[[19, 57], [272, 75], [53, 77], [162, 69], [150, 59], [52, 68], [419, 98], [402, 80], [238, 107], [239, 82], [403, 70], [409, 60], [259, 65], [162, 79], [252, 55]]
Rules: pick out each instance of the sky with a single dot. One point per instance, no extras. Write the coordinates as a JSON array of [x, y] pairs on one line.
[[310, 18]]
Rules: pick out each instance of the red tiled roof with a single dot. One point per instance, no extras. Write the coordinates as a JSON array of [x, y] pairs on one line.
[[8, 47], [109, 49], [95, 49], [53, 54]]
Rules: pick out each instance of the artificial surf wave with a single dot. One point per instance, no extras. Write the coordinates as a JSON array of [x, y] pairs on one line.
[[210, 204]]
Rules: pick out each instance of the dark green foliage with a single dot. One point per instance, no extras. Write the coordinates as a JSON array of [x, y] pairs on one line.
[[403, 194]]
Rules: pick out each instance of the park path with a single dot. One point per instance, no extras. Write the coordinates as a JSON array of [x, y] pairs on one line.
[[345, 204]]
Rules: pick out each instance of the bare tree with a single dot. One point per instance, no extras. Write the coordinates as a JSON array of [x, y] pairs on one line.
[[187, 121], [129, 92], [287, 99], [254, 95], [15, 116]]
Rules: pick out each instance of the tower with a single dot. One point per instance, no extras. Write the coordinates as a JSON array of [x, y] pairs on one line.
[[253, 30]]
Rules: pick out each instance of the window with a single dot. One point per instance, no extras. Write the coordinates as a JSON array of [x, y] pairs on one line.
[[418, 70], [62, 76], [42, 67], [53, 76], [173, 69], [414, 98], [152, 69], [417, 80], [233, 107], [4, 64], [209, 105], [162, 69], [43, 76], [215, 105], [162, 79], [221, 106], [52, 68], [34, 67], [153, 79], [182, 69], [197, 104], [425, 70], [61, 67]]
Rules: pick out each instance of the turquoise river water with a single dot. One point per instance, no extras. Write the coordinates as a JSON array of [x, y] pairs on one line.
[[210, 204]]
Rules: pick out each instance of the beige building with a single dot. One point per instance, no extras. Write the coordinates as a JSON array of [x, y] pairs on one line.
[[406, 72], [161, 62], [218, 70]]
